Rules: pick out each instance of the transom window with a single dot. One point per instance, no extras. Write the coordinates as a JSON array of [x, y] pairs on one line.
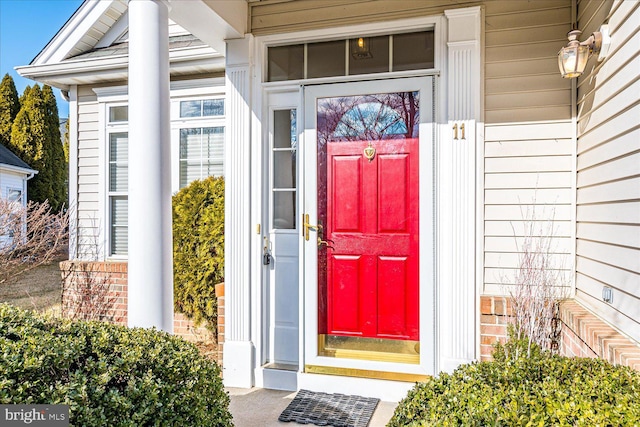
[[359, 55], [202, 108]]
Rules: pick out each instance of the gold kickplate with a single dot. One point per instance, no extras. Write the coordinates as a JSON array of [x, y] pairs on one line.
[[382, 350], [364, 373]]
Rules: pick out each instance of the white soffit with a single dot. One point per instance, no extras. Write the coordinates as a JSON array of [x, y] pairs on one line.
[[83, 30], [212, 21]]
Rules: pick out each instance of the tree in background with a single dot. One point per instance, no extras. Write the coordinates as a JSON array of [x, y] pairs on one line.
[[35, 138], [9, 108], [58, 158]]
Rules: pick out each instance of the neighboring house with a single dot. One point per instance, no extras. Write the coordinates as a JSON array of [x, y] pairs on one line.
[[384, 153], [14, 174]]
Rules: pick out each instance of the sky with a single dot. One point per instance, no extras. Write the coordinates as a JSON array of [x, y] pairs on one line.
[[26, 26]]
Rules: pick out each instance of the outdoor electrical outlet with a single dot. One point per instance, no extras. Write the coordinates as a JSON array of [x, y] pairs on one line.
[[607, 294]]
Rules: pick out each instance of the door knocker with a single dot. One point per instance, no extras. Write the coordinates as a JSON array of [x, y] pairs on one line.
[[370, 152]]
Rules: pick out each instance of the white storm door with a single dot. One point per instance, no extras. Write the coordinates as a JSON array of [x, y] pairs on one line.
[[283, 236], [380, 113]]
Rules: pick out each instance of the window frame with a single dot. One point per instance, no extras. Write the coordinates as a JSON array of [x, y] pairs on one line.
[[11, 190], [98, 220], [110, 129], [178, 123]]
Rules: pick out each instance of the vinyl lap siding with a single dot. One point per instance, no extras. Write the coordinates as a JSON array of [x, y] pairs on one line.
[[528, 152], [608, 166], [269, 17], [89, 215]]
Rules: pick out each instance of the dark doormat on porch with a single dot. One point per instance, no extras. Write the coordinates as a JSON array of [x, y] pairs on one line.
[[322, 409]]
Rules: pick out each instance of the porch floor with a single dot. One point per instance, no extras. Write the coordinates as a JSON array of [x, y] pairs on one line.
[[258, 407]]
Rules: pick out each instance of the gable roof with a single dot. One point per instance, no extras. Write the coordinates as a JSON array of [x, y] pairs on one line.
[[92, 46], [7, 158]]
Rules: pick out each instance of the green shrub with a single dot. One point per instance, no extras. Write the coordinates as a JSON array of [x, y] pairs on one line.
[[108, 375], [544, 390], [198, 249]]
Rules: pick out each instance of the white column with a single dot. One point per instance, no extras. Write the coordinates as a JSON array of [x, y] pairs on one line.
[[150, 244], [457, 202], [238, 348]]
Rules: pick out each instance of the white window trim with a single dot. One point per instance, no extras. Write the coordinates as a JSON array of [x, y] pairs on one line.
[[182, 90], [112, 128]]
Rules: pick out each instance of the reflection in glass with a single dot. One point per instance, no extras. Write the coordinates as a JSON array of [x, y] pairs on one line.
[[213, 107], [413, 51], [119, 228], [372, 118], [201, 153], [118, 161], [284, 166], [368, 117], [326, 59], [284, 210], [369, 55], [286, 63], [118, 114], [190, 108], [202, 108]]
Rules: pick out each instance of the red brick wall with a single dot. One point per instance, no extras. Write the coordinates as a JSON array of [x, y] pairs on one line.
[[583, 334], [586, 335], [98, 291], [220, 297], [494, 317]]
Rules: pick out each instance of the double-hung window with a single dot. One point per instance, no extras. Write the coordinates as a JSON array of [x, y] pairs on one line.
[[201, 139], [118, 173], [197, 141]]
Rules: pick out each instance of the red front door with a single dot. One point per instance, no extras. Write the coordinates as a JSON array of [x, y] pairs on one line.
[[368, 200]]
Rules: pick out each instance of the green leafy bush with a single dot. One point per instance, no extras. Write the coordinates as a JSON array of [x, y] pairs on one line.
[[108, 375], [198, 249], [543, 390]]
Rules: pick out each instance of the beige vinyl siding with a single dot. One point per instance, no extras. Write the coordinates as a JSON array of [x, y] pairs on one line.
[[528, 151], [89, 215], [269, 17], [608, 168], [522, 83], [528, 173]]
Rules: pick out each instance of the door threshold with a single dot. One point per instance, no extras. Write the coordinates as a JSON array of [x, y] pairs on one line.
[[281, 366]]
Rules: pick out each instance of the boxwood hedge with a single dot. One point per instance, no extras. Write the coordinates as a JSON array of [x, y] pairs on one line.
[[544, 390], [108, 374]]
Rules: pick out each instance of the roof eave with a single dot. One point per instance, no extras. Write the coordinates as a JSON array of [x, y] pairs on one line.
[[99, 70], [18, 169]]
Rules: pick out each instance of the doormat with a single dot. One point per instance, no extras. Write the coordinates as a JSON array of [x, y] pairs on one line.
[[323, 409]]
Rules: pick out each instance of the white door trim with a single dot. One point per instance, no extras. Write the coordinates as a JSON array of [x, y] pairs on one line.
[[426, 86]]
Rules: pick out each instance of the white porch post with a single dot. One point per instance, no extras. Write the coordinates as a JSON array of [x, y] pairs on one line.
[[457, 185], [238, 348], [150, 245]]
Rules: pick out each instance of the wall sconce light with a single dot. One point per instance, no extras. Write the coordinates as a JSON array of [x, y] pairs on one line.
[[360, 48], [572, 59]]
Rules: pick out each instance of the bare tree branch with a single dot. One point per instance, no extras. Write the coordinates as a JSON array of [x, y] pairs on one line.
[[29, 237]]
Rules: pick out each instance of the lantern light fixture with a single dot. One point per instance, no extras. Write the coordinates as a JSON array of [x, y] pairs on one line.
[[572, 59]]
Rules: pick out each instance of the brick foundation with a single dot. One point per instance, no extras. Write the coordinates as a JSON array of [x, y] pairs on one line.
[[220, 297], [495, 314], [98, 291], [583, 333]]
